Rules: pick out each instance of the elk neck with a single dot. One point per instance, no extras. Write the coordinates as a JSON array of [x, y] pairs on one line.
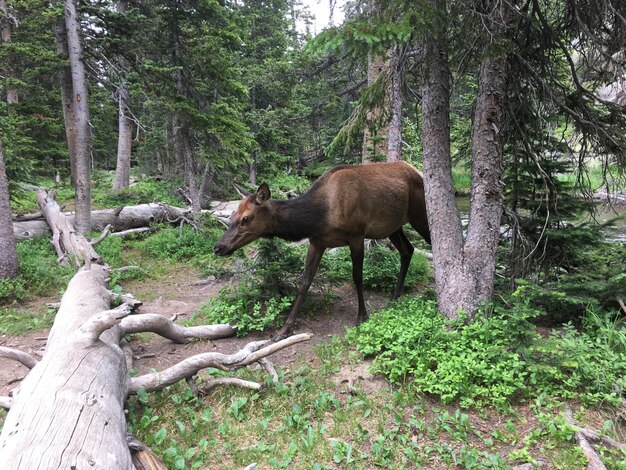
[[298, 218]]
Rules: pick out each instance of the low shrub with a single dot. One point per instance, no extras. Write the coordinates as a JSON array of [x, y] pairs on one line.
[[180, 243], [381, 267], [474, 362], [497, 358]]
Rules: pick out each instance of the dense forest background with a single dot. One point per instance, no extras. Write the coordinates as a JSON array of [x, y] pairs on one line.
[[513, 110], [202, 94]]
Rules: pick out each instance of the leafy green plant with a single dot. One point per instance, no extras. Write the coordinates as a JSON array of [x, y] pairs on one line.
[[39, 273], [474, 362], [182, 243]]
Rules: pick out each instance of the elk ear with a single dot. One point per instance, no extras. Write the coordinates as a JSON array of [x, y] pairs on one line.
[[263, 194], [243, 192]]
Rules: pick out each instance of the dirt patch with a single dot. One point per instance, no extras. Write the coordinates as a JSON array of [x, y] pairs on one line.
[[154, 352], [182, 295]]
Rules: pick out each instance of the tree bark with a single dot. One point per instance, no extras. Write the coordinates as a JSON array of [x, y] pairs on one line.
[[77, 423], [8, 250], [70, 246], [6, 33], [396, 101], [124, 141], [67, 92], [464, 269], [125, 131], [80, 99], [70, 407]]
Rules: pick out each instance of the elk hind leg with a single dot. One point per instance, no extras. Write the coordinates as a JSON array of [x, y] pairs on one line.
[[404, 247], [357, 252]]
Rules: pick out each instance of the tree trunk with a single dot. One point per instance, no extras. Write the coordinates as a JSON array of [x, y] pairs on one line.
[[125, 128], [68, 412], [394, 130], [463, 269], [80, 99], [67, 101], [375, 129], [5, 33], [71, 247], [8, 250], [124, 142], [487, 187], [77, 423]]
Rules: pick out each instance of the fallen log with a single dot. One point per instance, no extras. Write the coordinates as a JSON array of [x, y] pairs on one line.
[[70, 246], [120, 219], [70, 408]]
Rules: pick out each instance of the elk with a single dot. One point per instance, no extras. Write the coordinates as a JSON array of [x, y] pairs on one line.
[[343, 207]]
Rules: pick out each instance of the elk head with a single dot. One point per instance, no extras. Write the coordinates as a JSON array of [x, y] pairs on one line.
[[249, 222]]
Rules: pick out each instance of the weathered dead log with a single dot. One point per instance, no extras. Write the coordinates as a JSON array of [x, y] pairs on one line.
[[129, 217], [70, 408], [70, 246]]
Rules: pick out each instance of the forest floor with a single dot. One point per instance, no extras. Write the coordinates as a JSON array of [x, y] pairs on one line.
[[379, 427], [182, 295]]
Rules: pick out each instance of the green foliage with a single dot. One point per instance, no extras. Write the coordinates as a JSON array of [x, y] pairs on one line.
[[17, 322], [496, 358], [476, 362], [595, 278], [142, 191], [39, 274], [589, 364], [182, 243], [244, 313], [380, 268]]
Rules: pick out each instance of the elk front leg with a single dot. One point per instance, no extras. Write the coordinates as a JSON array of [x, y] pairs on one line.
[[313, 258], [357, 251], [404, 247]]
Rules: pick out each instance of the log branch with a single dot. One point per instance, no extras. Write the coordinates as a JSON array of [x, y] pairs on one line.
[[105, 233], [269, 368], [230, 381], [98, 324], [131, 231], [585, 437], [251, 353], [155, 323], [19, 356]]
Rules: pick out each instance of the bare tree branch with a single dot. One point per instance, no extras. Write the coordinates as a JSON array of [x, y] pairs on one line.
[[155, 323], [251, 353], [19, 356]]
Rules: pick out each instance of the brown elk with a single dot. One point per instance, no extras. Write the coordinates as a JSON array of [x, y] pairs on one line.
[[344, 206]]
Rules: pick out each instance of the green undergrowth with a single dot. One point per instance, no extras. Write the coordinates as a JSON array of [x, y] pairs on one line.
[[142, 191], [268, 273], [497, 359], [321, 415]]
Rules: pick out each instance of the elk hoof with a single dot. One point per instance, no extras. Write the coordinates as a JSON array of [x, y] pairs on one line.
[[281, 335]]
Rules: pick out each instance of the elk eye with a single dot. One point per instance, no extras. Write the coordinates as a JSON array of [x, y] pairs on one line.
[[245, 220]]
